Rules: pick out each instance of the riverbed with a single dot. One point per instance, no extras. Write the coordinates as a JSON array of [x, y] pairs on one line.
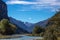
[[25, 38]]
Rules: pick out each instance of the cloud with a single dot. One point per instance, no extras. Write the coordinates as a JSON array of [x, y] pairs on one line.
[[48, 4], [19, 2], [37, 5], [40, 2]]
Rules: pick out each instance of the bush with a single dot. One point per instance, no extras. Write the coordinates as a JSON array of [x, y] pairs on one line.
[[6, 28], [37, 30]]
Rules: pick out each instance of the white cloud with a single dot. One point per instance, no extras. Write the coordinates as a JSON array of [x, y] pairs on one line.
[[38, 2], [38, 5], [51, 4], [19, 2], [41, 2]]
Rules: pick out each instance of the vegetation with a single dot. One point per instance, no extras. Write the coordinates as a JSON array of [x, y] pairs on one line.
[[52, 31], [53, 28], [50, 34], [37, 30], [6, 28]]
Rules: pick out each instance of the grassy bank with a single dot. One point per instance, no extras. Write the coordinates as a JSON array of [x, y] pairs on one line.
[[13, 36], [9, 36]]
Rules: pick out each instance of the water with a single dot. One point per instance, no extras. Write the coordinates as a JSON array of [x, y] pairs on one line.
[[25, 38]]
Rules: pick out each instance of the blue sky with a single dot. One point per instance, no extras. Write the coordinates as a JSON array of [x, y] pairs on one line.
[[32, 10]]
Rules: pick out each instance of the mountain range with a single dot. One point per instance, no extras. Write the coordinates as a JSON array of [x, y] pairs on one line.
[[22, 27], [28, 27]]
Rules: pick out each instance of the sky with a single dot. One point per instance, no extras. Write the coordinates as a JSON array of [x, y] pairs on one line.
[[32, 11]]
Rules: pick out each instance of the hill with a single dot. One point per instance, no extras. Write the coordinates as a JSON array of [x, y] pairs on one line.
[[53, 27]]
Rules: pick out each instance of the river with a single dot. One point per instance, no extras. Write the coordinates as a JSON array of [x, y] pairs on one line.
[[25, 38]]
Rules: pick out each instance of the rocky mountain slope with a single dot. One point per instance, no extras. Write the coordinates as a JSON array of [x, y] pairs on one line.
[[3, 10], [20, 25], [53, 26]]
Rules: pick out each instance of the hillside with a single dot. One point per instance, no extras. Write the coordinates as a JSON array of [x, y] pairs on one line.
[[22, 28], [53, 27]]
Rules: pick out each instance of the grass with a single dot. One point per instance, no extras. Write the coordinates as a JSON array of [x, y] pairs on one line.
[[13, 36], [58, 38], [9, 36]]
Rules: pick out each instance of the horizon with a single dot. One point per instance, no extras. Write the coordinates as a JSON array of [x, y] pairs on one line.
[[32, 11]]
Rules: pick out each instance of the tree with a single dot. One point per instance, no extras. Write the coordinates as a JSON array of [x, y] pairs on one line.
[[37, 29], [3, 24], [6, 28]]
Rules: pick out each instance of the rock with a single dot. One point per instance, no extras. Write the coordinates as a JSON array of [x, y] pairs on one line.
[[3, 10]]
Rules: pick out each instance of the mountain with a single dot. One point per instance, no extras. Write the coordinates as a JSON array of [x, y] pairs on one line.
[[4, 15], [3, 10], [53, 27], [31, 26], [50, 21], [28, 24], [26, 27], [42, 23], [54, 20], [21, 26]]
